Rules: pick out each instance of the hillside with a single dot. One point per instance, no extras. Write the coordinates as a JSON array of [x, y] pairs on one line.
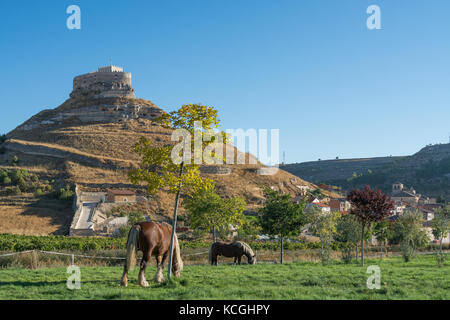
[[88, 142], [428, 171]]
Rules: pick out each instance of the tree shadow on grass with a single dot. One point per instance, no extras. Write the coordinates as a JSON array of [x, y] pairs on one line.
[[49, 283]]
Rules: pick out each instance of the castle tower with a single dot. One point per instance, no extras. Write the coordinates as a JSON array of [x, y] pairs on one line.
[[106, 82], [397, 187]]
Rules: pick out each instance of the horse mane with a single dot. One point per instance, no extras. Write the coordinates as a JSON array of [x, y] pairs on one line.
[[247, 250]]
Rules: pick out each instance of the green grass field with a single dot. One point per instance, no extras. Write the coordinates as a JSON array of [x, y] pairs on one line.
[[418, 279]]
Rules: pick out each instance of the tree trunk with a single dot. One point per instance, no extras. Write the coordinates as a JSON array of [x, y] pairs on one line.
[[356, 249], [281, 254], [440, 244], [362, 245], [174, 224], [214, 234], [321, 250]]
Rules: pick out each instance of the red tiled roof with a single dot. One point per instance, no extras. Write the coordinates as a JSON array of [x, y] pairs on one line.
[[122, 192]]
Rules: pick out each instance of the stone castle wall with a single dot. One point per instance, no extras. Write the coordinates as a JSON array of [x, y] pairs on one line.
[[105, 83]]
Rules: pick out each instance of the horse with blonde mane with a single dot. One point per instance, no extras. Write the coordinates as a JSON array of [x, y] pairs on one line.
[[236, 249], [153, 239]]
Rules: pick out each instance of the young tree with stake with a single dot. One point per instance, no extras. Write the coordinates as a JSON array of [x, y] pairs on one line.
[[281, 216], [175, 166], [369, 206]]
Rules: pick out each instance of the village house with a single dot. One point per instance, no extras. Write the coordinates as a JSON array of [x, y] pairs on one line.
[[341, 205], [320, 205], [91, 209]]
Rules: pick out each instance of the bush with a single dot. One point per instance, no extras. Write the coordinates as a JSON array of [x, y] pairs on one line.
[[38, 192], [18, 175], [6, 180], [66, 193]]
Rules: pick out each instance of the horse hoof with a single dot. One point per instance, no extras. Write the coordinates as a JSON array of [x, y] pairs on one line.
[[144, 284]]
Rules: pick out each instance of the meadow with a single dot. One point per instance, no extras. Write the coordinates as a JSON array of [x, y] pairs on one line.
[[420, 278]]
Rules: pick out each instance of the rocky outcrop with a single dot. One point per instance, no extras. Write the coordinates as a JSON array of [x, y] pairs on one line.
[[93, 111]]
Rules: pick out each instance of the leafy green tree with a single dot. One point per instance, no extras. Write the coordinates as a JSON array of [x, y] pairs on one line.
[[381, 232], [369, 206], [250, 228], [208, 211], [441, 224], [441, 199], [175, 166], [281, 216], [323, 225], [411, 232], [347, 234]]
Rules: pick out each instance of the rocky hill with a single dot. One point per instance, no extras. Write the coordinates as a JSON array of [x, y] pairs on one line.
[[88, 142], [428, 171]]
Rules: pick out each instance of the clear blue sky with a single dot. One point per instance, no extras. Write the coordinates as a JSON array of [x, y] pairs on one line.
[[308, 67]]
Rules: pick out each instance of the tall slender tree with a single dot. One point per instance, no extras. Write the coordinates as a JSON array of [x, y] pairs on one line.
[[441, 224], [281, 216], [369, 206], [175, 166]]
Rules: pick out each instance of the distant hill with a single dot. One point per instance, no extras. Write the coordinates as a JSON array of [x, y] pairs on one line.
[[428, 171]]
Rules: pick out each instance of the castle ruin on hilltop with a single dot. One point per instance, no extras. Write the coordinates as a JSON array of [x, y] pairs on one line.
[[106, 82]]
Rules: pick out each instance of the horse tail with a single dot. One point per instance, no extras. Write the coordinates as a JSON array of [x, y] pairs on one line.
[[210, 257], [132, 246], [177, 255]]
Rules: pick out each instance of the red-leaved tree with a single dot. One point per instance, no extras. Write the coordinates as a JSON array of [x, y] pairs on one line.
[[369, 206]]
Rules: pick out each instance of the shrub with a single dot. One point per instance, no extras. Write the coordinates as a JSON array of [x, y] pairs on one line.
[[440, 258], [38, 192], [66, 193], [22, 184], [6, 180]]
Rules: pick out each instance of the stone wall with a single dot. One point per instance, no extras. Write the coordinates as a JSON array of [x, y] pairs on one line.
[[215, 170], [103, 83]]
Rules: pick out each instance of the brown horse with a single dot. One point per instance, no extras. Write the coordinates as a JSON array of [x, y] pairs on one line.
[[153, 239], [236, 249]]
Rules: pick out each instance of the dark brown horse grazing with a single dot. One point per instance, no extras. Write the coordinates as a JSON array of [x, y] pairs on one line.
[[153, 239], [236, 249]]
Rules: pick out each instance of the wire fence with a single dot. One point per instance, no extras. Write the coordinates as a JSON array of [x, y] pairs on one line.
[[81, 255]]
